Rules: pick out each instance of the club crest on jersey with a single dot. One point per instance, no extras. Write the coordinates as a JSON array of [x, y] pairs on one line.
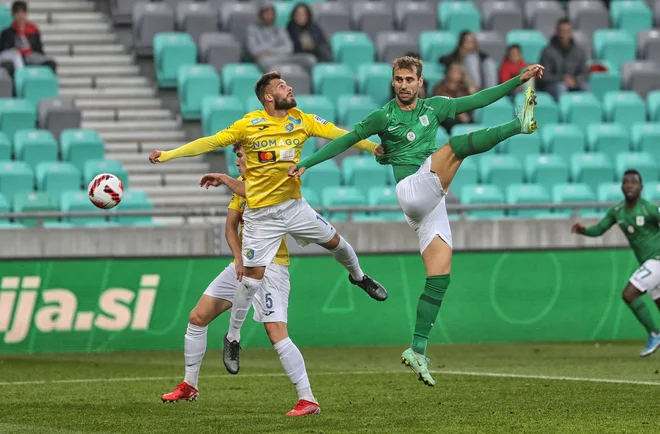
[[289, 127], [410, 136], [267, 157], [294, 120], [249, 253], [258, 121], [640, 220], [424, 120], [631, 229], [320, 120]]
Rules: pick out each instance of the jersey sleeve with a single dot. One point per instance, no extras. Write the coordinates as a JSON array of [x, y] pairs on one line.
[[227, 137], [316, 126], [654, 211], [235, 203], [444, 107], [602, 226], [372, 125]]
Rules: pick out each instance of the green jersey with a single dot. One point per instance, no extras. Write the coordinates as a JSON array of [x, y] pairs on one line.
[[639, 225], [408, 136]]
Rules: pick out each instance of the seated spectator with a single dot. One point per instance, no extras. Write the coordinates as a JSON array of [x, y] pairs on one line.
[[306, 35], [455, 85], [478, 65], [20, 43], [565, 63], [271, 46], [512, 64]]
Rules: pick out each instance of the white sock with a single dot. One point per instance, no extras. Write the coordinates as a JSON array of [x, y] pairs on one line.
[[294, 366], [194, 348], [345, 255], [241, 306]]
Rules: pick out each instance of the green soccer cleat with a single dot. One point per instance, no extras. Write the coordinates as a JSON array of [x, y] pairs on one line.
[[526, 116], [419, 364]]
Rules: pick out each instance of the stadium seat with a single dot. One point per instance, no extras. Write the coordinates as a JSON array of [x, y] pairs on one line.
[[631, 16], [219, 49], [546, 112], [415, 17], [5, 148], [650, 192], [375, 80], [392, 45], [546, 170], [580, 108], [572, 193], [25, 202], [35, 83], [16, 115], [219, 112], [55, 178], [609, 139], [625, 108], [5, 16], [318, 105], [456, 16], [603, 82], [372, 17], [585, 41], [648, 44], [15, 177], [526, 194], [433, 74], [503, 17], [646, 138], [333, 80], [230, 160], [482, 194], [467, 175], [194, 83], [81, 145], [642, 77], [385, 196], [563, 140], [332, 17], [134, 200], [653, 106], [435, 44], [57, 115], [326, 174], [171, 52], [492, 43], [592, 169], [351, 49], [644, 163], [236, 17], [6, 84], [543, 15], [500, 170], [238, 80], [96, 167], [309, 147], [195, 19], [614, 46], [149, 19], [610, 192], [363, 173], [341, 196], [532, 43], [78, 201], [35, 146], [588, 15], [4, 207], [297, 77], [312, 197], [441, 137], [497, 113], [353, 109], [521, 145]]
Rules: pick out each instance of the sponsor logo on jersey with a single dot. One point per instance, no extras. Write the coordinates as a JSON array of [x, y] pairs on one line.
[[263, 127], [287, 154], [258, 121], [410, 136], [424, 120], [294, 120], [267, 157], [289, 127], [320, 120], [249, 253], [267, 143], [640, 220]]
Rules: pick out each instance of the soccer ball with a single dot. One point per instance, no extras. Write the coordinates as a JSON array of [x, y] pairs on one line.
[[105, 191]]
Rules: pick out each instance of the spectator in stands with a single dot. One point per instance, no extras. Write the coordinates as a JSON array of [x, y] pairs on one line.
[[478, 65], [455, 85], [306, 35], [271, 46], [512, 64], [565, 63], [20, 43]]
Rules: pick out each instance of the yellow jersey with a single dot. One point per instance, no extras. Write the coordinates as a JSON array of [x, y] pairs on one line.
[[271, 145], [238, 203]]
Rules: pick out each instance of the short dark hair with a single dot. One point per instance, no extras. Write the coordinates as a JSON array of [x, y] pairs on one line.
[[264, 82], [407, 62], [633, 172], [237, 147], [18, 6], [563, 21]]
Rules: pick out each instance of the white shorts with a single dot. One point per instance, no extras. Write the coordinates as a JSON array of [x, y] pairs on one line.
[[270, 303], [264, 228], [422, 200], [647, 278]]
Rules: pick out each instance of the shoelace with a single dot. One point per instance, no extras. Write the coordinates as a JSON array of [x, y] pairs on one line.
[[234, 348]]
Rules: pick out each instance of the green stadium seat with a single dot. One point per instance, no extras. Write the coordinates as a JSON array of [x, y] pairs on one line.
[[283, 12], [572, 193], [35, 146], [441, 137], [653, 105], [546, 170], [230, 159], [644, 163], [614, 46], [134, 200], [81, 145], [317, 104], [15, 115], [219, 112], [624, 108], [610, 192], [252, 103], [646, 138], [500, 170], [96, 167], [333, 80], [363, 173], [467, 174], [433, 74], [650, 192], [352, 49], [562, 140], [375, 80], [456, 16], [592, 169], [497, 113], [532, 43], [521, 145], [353, 109], [601, 83], [609, 139], [385, 196], [4, 207], [309, 147], [15, 177], [5, 16], [312, 197], [238, 80], [482, 194], [341, 196], [546, 112], [580, 108], [434, 45], [55, 178], [194, 83], [5, 148], [33, 202], [518, 194], [172, 50], [631, 16], [78, 201], [326, 174], [35, 83]]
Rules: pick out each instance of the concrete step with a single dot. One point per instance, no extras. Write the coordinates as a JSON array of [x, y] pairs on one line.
[[143, 136], [46, 6], [104, 82], [77, 28], [110, 60], [142, 180], [107, 115], [107, 92], [72, 38], [176, 166], [184, 178], [211, 200], [83, 50], [123, 147], [176, 191], [41, 18], [124, 103], [98, 71], [105, 126]]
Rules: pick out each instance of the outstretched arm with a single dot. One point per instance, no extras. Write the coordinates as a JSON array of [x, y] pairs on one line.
[[596, 230], [217, 179]]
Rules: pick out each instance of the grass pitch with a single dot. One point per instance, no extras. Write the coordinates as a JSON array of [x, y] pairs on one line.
[[480, 389]]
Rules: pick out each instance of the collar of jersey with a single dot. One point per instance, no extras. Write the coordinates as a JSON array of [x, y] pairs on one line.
[[276, 120]]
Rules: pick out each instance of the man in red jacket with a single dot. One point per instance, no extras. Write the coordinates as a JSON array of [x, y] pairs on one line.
[[20, 43]]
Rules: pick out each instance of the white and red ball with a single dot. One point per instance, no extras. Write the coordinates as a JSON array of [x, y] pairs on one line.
[[105, 191]]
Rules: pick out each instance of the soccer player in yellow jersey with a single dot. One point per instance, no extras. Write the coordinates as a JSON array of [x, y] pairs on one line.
[[270, 307], [272, 139]]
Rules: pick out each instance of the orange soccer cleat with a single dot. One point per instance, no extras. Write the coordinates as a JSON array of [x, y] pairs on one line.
[[183, 391], [304, 407]]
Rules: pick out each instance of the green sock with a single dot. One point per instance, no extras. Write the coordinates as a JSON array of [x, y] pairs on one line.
[[643, 314], [427, 310], [481, 141]]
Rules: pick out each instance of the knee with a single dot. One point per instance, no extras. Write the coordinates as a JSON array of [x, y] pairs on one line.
[[630, 294], [276, 331], [198, 319], [256, 273], [333, 243]]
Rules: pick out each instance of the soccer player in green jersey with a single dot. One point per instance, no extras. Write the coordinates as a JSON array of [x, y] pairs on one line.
[[407, 126], [639, 220]]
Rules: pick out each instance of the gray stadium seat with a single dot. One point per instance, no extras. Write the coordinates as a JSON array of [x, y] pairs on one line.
[[6, 84], [648, 45], [372, 17], [172, 3], [57, 115], [543, 16], [492, 43], [196, 18], [332, 17], [415, 18], [219, 49], [502, 16], [148, 20], [122, 10], [584, 40], [588, 15], [641, 76], [390, 45], [296, 77], [656, 13], [236, 17]]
